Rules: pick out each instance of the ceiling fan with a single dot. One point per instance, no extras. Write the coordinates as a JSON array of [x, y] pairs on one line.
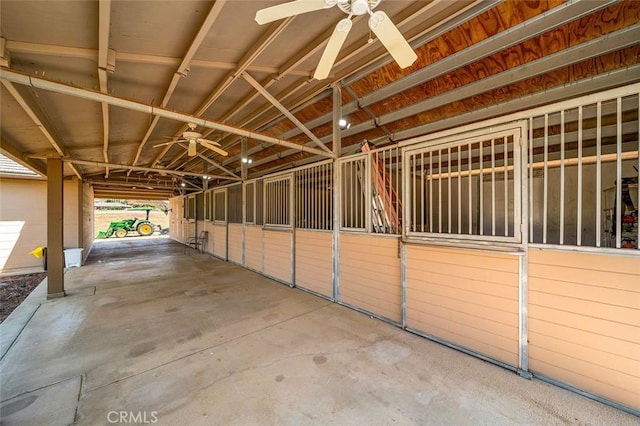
[[379, 23], [194, 138]]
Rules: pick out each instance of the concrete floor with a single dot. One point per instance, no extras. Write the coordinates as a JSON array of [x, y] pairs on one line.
[[159, 335]]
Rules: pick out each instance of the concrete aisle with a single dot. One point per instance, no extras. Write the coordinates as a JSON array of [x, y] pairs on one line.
[[151, 334]]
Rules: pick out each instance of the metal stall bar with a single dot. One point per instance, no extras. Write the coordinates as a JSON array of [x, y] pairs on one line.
[[459, 189], [449, 188], [545, 201], [493, 188], [530, 166], [481, 186], [619, 172], [579, 205], [505, 163], [430, 192], [470, 181], [422, 193], [598, 173], [562, 141], [440, 191]]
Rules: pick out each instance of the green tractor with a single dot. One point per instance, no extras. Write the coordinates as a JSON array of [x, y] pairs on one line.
[[121, 228]]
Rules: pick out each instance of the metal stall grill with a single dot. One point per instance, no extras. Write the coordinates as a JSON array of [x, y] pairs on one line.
[[354, 198], [278, 228], [313, 225], [253, 232], [583, 175], [220, 218], [234, 223], [466, 189]]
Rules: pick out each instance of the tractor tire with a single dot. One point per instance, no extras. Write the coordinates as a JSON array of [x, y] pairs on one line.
[[119, 233], [145, 229]]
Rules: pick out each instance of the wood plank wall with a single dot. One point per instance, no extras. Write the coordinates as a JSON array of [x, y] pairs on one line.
[[278, 255], [207, 226], [253, 248], [314, 261], [234, 240], [469, 298], [220, 241], [584, 322], [370, 274]]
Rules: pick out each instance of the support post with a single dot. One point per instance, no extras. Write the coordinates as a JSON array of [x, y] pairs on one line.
[[337, 186], [55, 229], [244, 158]]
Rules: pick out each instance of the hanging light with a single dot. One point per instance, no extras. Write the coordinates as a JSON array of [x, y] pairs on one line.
[[247, 160], [343, 124]]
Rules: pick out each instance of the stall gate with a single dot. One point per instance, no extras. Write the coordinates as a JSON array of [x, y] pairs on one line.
[[370, 274], [314, 261]]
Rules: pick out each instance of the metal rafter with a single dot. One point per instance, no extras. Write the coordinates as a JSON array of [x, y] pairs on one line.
[[248, 59], [9, 150], [382, 59], [103, 54], [36, 120], [71, 90], [182, 69], [284, 110], [517, 34], [18, 46]]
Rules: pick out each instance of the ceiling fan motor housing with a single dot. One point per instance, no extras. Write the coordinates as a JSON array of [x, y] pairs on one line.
[[358, 7], [191, 135]]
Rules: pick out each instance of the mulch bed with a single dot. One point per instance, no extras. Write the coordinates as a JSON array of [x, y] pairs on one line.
[[14, 289]]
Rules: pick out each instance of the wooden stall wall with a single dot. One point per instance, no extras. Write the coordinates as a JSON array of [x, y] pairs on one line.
[[234, 241], [468, 298], [219, 241], [278, 255], [314, 261], [208, 226], [370, 274], [253, 248], [584, 322]]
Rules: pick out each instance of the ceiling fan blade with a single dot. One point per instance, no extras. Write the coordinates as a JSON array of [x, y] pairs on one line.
[[213, 148], [203, 141], [165, 144], [333, 48], [392, 39], [191, 150], [285, 10]]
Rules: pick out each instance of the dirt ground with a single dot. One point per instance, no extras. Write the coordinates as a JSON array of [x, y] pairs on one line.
[[104, 217], [14, 289]]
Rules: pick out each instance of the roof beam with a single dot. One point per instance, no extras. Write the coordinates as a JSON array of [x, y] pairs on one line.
[[39, 124], [213, 163], [284, 110], [129, 194], [516, 35], [9, 150], [274, 31], [528, 29], [16, 46], [104, 24], [136, 168], [380, 60], [182, 69], [68, 89]]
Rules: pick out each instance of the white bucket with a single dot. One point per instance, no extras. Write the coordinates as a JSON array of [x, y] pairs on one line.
[[73, 257]]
